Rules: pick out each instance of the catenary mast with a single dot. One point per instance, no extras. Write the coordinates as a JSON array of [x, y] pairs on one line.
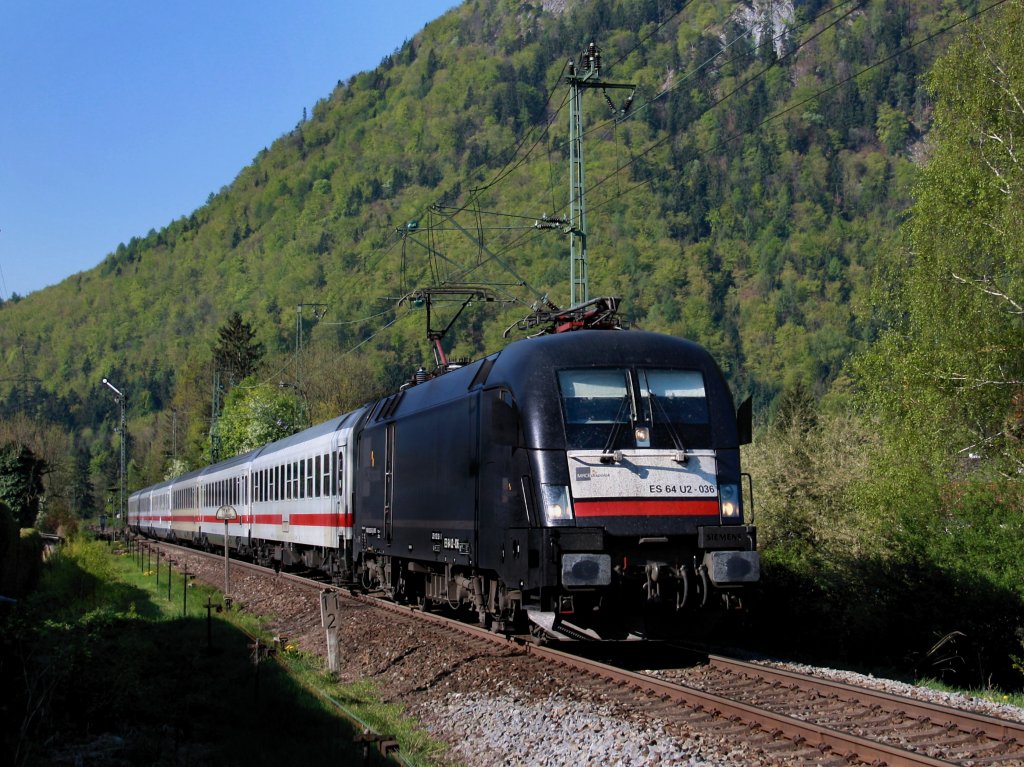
[[586, 75]]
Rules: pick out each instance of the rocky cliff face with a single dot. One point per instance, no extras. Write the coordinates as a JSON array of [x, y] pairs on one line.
[[766, 20]]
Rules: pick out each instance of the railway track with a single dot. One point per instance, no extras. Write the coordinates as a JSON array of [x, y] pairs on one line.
[[783, 717]]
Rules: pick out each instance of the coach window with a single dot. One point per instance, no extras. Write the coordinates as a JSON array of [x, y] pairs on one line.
[[309, 477], [295, 479], [302, 479], [326, 463], [316, 475], [341, 472]]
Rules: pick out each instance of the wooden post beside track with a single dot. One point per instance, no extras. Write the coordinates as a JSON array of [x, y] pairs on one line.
[[330, 615]]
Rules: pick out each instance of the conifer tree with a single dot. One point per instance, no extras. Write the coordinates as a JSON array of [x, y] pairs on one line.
[[21, 482], [237, 355]]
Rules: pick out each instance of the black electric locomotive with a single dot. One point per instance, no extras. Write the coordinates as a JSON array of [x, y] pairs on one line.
[[575, 478], [575, 481]]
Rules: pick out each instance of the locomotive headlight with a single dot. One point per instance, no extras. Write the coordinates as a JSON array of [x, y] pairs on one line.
[[556, 503], [729, 501]]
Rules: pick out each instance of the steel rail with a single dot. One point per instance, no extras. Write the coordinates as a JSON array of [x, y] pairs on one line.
[[992, 726], [799, 732], [851, 747], [823, 738]]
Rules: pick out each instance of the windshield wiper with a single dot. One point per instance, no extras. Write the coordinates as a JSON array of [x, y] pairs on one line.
[[608, 454], [677, 442]]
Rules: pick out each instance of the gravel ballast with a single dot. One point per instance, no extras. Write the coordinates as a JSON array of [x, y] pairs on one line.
[[494, 707]]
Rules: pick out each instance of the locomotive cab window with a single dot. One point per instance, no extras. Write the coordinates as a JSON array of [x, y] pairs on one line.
[[595, 396], [601, 406]]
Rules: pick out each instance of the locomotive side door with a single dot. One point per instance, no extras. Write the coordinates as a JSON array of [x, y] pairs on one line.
[[368, 494], [389, 482]]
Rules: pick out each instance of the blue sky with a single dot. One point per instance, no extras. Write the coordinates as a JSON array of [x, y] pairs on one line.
[[118, 117]]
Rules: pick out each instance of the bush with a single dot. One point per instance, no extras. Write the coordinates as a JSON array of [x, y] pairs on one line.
[[29, 562], [8, 552], [869, 560]]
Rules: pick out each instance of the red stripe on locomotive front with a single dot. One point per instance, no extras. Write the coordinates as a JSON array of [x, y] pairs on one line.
[[659, 508]]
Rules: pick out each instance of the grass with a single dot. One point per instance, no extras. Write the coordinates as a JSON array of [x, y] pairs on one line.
[[996, 696], [115, 673]]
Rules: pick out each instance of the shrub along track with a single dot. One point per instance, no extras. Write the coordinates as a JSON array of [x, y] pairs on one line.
[[743, 713]]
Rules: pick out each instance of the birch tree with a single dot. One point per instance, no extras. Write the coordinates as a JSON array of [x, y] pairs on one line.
[[950, 374]]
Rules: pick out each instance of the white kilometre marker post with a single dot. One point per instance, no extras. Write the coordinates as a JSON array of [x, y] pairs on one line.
[[227, 513]]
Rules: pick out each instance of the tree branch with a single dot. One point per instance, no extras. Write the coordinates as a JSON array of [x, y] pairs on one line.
[[985, 285]]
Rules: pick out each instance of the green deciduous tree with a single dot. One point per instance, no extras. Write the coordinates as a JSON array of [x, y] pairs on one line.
[[257, 414], [949, 375]]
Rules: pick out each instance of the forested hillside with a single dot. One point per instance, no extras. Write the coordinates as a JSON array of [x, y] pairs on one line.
[[828, 196], [741, 201]]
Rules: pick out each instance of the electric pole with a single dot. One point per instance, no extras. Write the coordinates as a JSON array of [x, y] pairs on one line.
[[586, 75]]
